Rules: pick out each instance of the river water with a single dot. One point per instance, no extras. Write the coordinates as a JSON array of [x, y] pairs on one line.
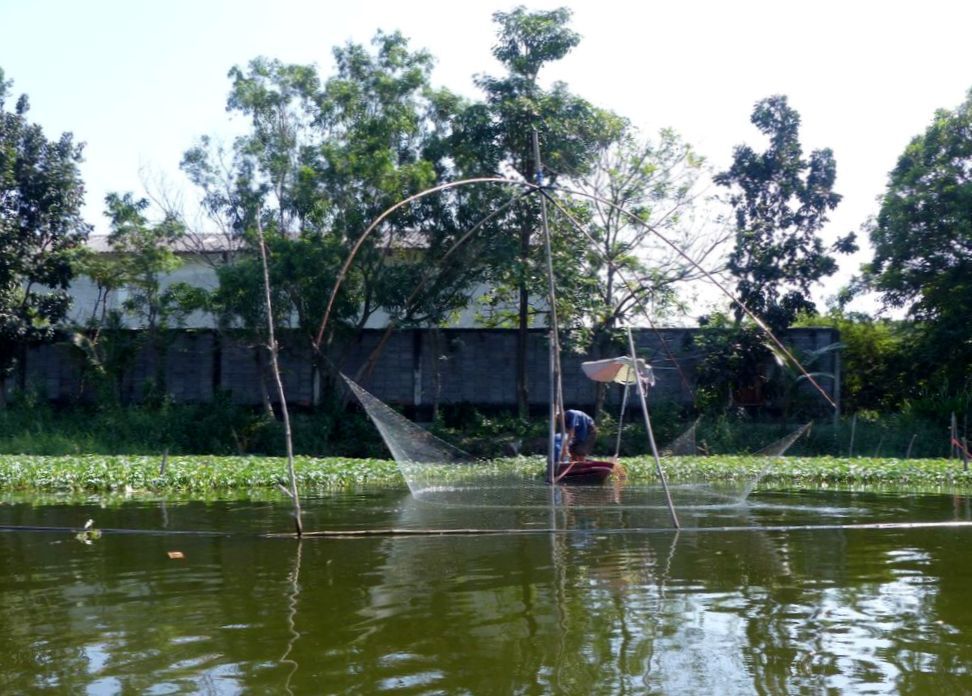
[[763, 599]]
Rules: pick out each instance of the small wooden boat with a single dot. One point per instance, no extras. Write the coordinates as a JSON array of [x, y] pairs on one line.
[[588, 471]]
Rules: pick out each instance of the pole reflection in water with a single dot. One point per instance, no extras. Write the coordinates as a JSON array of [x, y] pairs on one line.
[[590, 608], [292, 597]]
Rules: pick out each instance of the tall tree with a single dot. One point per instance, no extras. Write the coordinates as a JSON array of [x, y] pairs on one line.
[[922, 239], [142, 252], [641, 186], [781, 201], [495, 136], [41, 194], [321, 161]]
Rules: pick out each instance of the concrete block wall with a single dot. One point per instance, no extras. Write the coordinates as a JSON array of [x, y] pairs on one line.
[[417, 367]]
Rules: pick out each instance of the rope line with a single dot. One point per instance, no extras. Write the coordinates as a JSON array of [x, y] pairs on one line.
[[472, 531]]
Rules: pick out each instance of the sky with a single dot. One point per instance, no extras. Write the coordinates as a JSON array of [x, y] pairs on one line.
[[140, 82]]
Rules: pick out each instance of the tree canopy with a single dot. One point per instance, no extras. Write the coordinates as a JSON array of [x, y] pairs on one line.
[[321, 161], [781, 201], [922, 239], [495, 136], [41, 194], [922, 236]]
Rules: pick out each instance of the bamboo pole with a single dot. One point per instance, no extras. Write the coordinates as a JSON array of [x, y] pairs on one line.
[[556, 390], [651, 435], [274, 363]]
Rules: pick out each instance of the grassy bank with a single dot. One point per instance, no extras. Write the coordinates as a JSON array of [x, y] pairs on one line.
[[224, 429], [143, 475]]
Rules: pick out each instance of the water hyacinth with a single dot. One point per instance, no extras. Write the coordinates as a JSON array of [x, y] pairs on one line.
[[197, 475], [133, 474]]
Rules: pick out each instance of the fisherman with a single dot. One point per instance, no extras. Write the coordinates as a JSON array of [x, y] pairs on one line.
[[581, 434]]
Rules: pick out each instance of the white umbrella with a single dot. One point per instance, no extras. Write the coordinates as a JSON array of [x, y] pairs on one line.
[[618, 370], [621, 370]]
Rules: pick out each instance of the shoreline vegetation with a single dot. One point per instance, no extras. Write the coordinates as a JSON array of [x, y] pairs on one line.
[[145, 476]]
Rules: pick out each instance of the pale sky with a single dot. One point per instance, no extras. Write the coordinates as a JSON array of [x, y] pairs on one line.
[[139, 82]]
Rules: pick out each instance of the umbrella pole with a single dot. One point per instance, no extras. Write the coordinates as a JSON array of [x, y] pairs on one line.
[[624, 406], [651, 436]]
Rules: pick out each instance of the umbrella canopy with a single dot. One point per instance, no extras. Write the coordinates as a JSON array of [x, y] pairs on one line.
[[618, 370]]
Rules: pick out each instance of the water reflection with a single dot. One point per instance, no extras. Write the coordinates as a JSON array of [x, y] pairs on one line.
[[589, 610], [292, 598]]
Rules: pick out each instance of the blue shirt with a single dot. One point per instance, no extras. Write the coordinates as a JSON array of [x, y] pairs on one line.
[[579, 422]]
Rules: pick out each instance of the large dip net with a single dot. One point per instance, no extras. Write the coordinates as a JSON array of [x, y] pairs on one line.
[[437, 472]]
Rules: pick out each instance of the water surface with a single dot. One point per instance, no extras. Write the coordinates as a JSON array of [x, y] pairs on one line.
[[605, 605]]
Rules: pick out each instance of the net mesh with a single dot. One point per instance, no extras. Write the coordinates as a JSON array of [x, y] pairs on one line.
[[437, 472], [779, 448], [684, 445]]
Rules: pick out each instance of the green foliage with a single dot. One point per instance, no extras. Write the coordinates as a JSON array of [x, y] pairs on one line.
[[201, 476], [142, 475], [781, 201], [142, 254], [499, 131], [734, 367], [321, 161], [922, 239], [922, 236], [911, 475], [41, 194], [30, 426], [618, 271], [496, 135], [877, 369]]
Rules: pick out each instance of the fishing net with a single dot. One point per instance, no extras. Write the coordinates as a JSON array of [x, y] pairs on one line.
[[779, 448], [684, 445], [437, 472]]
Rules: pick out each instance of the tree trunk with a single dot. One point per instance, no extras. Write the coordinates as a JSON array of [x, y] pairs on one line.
[[602, 346], [436, 371], [522, 335]]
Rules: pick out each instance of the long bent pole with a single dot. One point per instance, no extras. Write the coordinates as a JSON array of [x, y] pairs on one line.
[[275, 363], [364, 235], [742, 305], [532, 189]]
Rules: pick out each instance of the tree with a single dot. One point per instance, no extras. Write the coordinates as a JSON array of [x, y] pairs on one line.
[[496, 135], [41, 194], [142, 253], [922, 239], [321, 161], [640, 186], [781, 201], [877, 361]]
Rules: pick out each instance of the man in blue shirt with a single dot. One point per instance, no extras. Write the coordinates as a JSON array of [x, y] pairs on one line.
[[581, 434]]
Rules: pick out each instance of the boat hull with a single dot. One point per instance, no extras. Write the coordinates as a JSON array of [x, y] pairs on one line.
[[589, 471]]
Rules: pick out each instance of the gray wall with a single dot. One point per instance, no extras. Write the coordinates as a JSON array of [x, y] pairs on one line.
[[473, 366]]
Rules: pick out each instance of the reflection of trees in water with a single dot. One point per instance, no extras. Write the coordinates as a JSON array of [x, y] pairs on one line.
[[120, 615], [570, 612], [593, 610], [858, 610]]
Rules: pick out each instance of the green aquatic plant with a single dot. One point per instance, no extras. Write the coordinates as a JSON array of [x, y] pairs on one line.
[[198, 477]]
